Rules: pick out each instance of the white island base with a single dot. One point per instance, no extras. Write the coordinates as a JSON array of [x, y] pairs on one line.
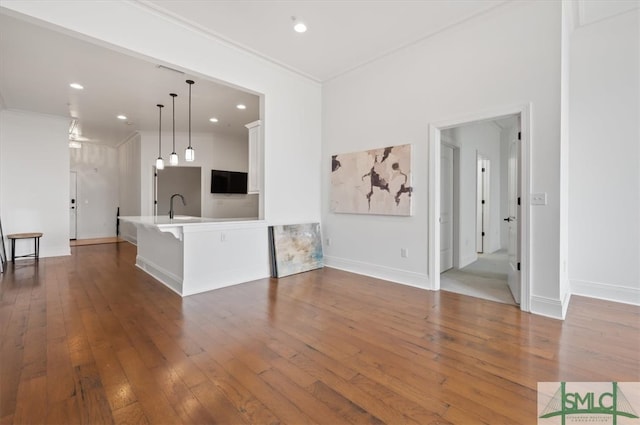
[[192, 255]]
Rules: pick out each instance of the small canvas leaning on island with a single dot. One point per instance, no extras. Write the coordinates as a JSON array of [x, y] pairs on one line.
[[295, 248]]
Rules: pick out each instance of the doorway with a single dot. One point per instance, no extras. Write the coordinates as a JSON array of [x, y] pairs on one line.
[[480, 265], [73, 205], [500, 233]]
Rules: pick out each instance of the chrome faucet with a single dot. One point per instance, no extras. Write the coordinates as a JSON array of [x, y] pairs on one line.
[[171, 203]]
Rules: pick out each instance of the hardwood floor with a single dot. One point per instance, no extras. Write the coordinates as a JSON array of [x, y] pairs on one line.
[[91, 339]]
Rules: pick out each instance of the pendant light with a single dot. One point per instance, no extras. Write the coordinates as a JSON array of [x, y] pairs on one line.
[[173, 158], [160, 161], [189, 153]]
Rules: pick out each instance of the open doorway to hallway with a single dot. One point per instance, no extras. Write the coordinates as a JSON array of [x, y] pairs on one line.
[[478, 181], [485, 278]]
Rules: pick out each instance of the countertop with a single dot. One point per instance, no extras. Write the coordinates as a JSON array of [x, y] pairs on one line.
[[181, 224], [181, 220]]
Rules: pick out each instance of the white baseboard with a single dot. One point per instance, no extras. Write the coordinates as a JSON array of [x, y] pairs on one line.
[[162, 275], [606, 291], [550, 307], [96, 235], [59, 251], [130, 239], [565, 304], [418, 280]]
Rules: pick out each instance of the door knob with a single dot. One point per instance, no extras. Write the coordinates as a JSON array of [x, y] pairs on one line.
[[508, 219]]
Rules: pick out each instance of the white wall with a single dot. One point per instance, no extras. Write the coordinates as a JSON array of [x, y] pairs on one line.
[[212, 152], [202, 144], [563, 234], [129, 187], [509, 57], [604, 172], [483, 138], [186, 181], [292, 104], [232, 155], [232, 205], [97, 190], [34, 180]]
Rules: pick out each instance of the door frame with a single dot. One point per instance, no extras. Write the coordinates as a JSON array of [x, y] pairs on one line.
[[483, 192], [73, 173], [454, 204], [435, 129]]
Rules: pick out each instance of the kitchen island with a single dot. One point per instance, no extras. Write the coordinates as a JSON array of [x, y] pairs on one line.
[[194, 254]]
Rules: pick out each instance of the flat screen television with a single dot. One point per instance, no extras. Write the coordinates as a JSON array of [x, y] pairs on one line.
[[228, 181]]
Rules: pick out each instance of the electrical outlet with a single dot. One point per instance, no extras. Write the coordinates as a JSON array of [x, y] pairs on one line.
[[328, 241], [404, 252]]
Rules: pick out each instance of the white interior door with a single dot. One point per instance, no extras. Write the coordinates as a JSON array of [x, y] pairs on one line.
[[446, 208], [482, 203], [73, 205], [513, 219]]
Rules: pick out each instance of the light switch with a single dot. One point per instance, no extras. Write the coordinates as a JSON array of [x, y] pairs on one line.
[[539, 198]]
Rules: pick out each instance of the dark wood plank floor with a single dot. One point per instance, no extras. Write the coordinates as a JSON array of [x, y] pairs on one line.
[[91, 339]]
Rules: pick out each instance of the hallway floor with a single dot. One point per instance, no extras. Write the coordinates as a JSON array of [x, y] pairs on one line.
[[485, 278]]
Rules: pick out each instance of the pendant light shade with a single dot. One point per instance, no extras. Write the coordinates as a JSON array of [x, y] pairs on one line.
[[160, 161], [173, 158], [189, 153]]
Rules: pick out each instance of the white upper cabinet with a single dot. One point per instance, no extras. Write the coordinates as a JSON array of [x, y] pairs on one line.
[[255, 156]]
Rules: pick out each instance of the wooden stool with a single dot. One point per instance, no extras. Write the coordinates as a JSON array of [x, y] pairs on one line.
[[36, 242]]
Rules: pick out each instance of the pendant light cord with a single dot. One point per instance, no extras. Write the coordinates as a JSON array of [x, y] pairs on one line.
[[160, 130], [173, 95], [190, 82]]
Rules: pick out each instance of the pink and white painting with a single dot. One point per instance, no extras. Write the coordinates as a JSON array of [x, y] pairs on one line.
[[376, 181]]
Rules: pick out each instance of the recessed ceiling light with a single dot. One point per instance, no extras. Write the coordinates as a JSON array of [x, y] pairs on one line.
[[122, 117], [213, 119], [76, 86], [298, 25], [241, 106]]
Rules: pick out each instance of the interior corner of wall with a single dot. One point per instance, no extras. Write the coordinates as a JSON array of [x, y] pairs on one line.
[[565, 303]]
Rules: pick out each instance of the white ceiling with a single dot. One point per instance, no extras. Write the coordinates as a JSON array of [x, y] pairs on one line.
[[38, 64], [342, 34]]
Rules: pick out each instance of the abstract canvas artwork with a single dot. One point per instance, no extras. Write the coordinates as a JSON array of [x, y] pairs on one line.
[[376, 181], [295, 248]]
